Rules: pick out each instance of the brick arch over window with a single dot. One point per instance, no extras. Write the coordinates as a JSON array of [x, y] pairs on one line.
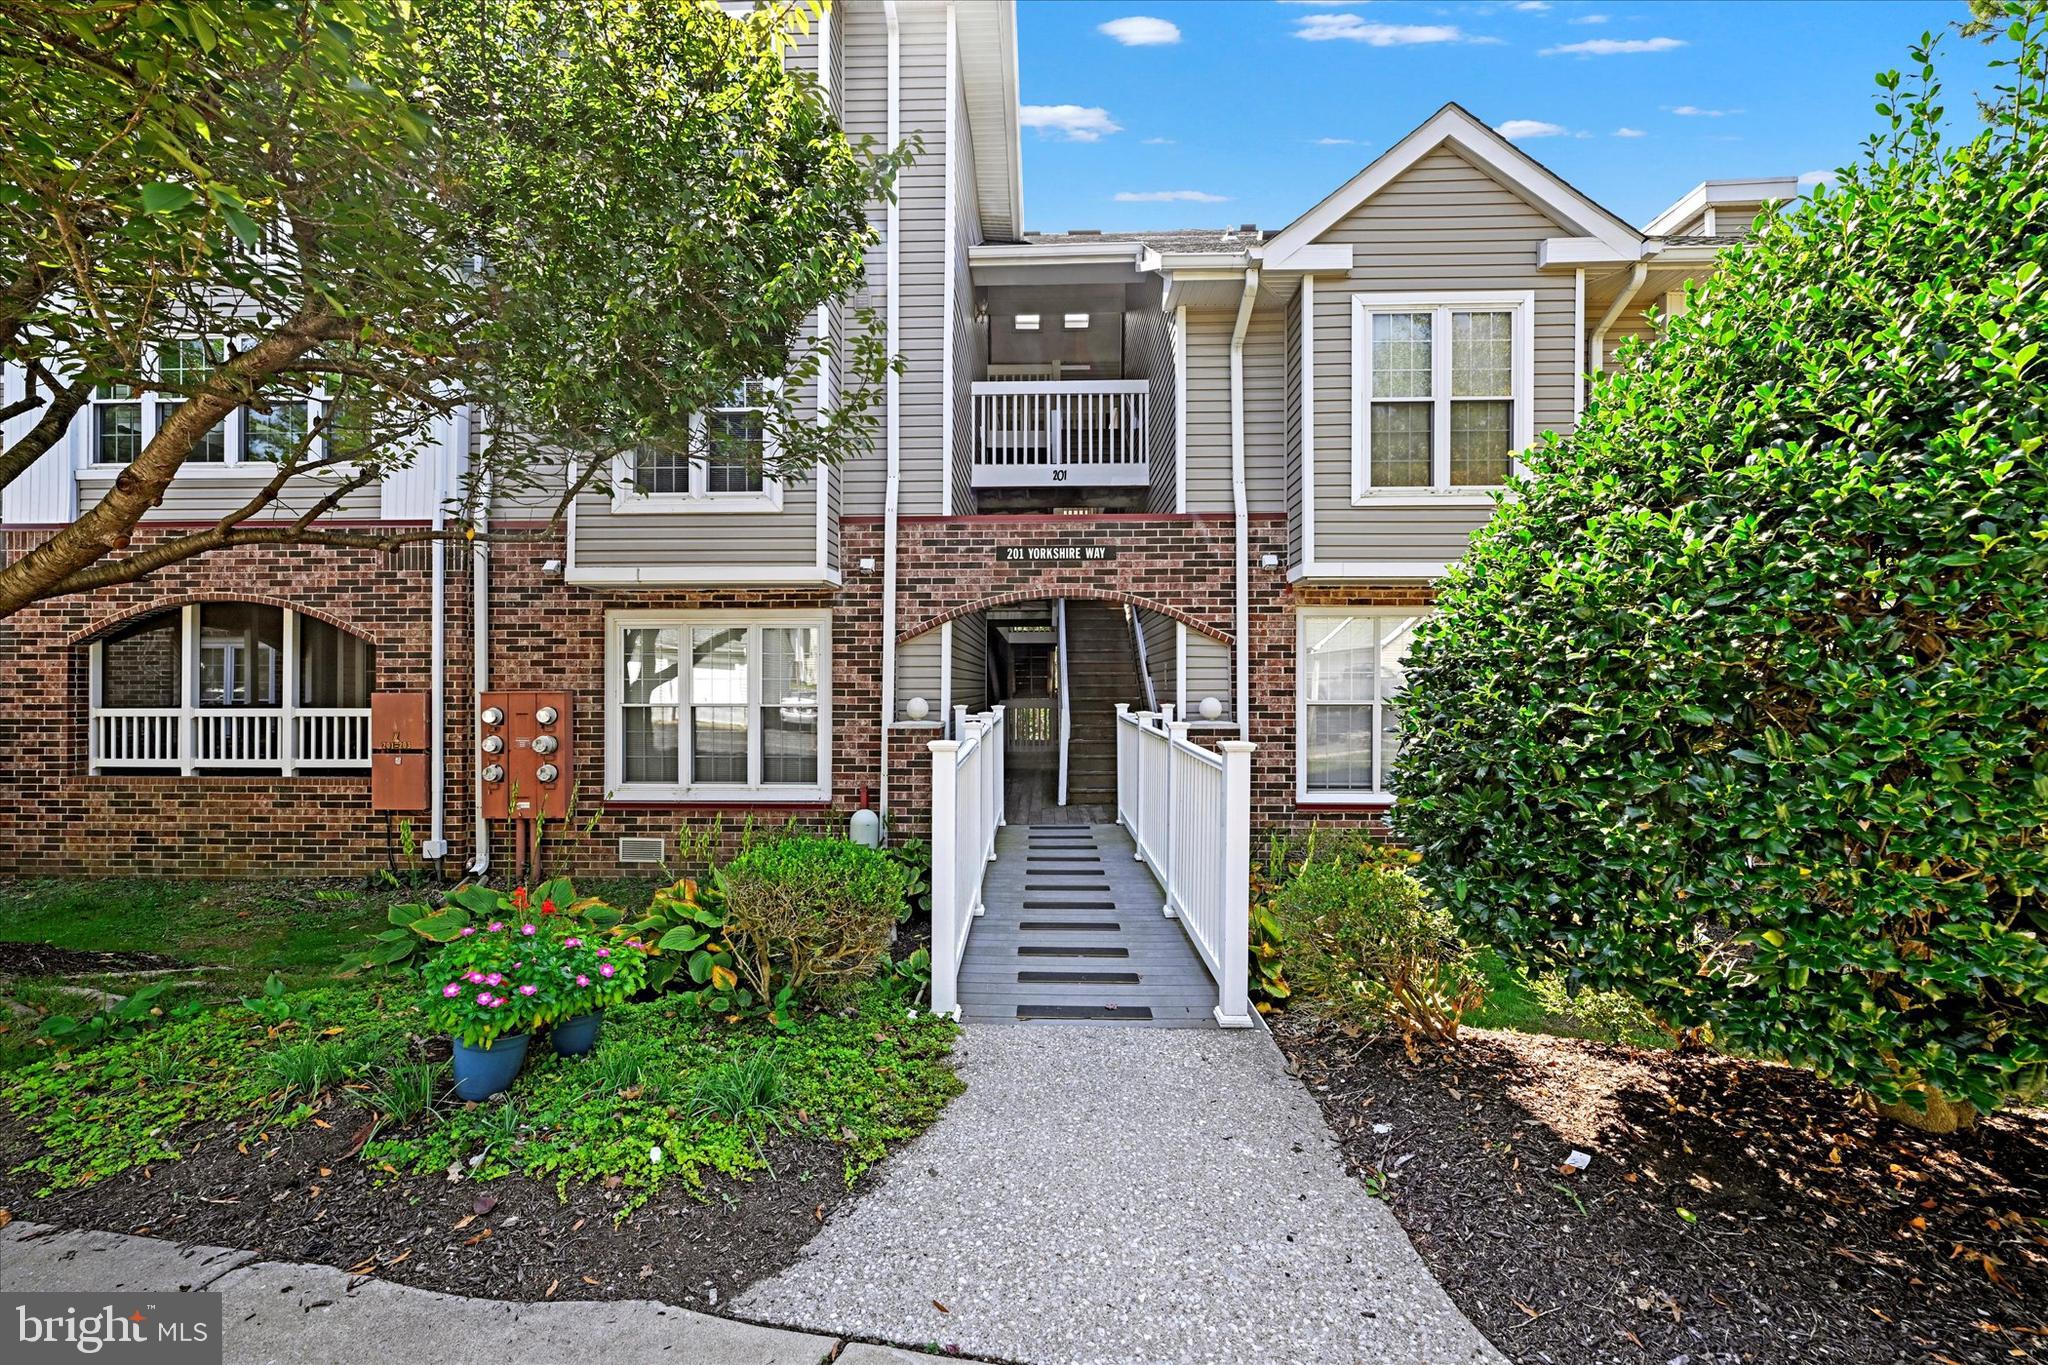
[[128, 615], [926, 625]]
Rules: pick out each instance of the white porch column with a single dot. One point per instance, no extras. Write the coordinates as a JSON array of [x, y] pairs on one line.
[[946, 911], [1233, 995]]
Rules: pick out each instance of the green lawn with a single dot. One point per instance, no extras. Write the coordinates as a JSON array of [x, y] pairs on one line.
[[1510, 1003]]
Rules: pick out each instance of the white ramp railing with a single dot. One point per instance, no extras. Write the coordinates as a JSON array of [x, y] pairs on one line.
[[967, 810], [1189, 812]]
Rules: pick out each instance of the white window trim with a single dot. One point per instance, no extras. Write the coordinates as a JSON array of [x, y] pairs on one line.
[[1522, 331], [234, 431], [1304, 620], [725, 793], [630, 501]]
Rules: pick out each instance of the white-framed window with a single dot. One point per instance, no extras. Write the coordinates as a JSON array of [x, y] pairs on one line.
[[123, 421], [230, 687], [1350, 667], [1442, 393], [727, 472], [718, 706]]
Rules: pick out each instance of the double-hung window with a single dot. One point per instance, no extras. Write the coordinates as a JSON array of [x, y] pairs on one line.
[[1350, 667], [1441, 393], [725, 470], [719, 706], [271, 430]]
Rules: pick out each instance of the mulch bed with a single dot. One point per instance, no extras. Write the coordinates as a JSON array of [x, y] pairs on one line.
[[298, 1195], [1816, 1233], [40, 959]]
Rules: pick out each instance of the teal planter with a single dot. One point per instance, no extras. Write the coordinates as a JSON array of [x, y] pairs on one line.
[[481, 1072], [576, 1037]]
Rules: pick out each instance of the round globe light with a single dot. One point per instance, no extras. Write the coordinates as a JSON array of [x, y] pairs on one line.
[[1211, 708], [917, 708]]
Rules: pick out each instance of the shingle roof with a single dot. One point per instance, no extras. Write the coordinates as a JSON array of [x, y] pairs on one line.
[[1706, 239], [1162, 239]]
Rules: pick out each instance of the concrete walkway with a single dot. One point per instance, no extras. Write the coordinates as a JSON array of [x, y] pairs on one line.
[[1120, 1195], [273, 1311]]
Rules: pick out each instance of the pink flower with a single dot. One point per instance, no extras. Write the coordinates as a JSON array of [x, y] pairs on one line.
[[582, 980], [634, 943], [495, 925], [495, 979], [498, 1002], [528, 930], [528, 990], [474, 978], [604, 952], [572, 943], [451, 990], [606, 970], [483, 997], [468, 930]]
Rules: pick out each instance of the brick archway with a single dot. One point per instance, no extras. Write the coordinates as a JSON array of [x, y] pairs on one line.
[[925, 625], [116, 620]]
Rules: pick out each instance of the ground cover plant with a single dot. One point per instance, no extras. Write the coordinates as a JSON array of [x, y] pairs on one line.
[[1740, 704]]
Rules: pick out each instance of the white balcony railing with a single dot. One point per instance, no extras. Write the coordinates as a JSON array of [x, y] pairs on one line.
[[1039, 433], [1189, 812], [967, 809], [281, 739]]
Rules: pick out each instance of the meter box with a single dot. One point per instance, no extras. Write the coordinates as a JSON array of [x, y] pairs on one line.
[[398, 722], [526, 754], [398, 782]]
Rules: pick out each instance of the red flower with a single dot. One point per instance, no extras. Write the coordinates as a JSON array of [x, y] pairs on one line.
[[547, 907], [519, 897]]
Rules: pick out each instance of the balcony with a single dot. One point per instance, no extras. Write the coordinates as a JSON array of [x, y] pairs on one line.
[[1086, 433]]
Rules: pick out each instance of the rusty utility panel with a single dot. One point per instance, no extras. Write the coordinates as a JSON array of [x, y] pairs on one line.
[[528, 754], [398, 722], [398, 782]]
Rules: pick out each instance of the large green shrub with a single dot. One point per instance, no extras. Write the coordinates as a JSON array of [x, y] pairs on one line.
[[1741, 701], [804, 910], [1364, 941]]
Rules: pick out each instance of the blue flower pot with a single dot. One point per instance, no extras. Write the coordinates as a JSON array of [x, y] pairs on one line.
[[481, 1072], [576, 1037]]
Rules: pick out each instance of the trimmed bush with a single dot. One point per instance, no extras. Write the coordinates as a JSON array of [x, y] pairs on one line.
[[1364, 942], [800, 911], [1740, 704]]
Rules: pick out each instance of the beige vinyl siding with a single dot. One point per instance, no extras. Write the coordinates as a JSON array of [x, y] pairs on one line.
[[970, 661], [608, 539], [1148, 355], [203, 495], [1161, 653], [1208, 405], [861, 48], [1443, 224], [1291, 483], [1265, 413], [970, 338], [1632, 324], [919, 666], [1209, 675]]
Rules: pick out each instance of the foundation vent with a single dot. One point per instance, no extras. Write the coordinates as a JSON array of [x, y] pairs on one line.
[[640, 850]]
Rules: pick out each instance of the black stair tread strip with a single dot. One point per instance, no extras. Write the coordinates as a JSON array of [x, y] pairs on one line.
[[1084, 1012], [1069, 950], [1079, 926], [1077, 978]]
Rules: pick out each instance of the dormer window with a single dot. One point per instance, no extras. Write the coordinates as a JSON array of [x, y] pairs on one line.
[[1441, 393]]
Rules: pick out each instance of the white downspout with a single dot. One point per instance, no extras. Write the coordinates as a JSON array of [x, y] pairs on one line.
[[1636, 276], [1238, 501], [480, 664], [437, 696], [892, 258]]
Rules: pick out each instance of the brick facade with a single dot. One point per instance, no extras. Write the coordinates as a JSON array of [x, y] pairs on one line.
[[548, 634]]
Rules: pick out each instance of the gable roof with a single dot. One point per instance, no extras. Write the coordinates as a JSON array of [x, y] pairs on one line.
[[1494, 154], [987, 36]]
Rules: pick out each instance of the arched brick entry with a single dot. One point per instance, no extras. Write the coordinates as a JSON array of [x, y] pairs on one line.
[[926, 625], [115, 620]]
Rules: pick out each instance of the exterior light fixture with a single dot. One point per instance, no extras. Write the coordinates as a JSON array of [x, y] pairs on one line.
[[917, 708], [1027, 322], [1076, 322], [1210, 708]]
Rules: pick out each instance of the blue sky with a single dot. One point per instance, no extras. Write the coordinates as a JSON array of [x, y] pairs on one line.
[[1153, 114]]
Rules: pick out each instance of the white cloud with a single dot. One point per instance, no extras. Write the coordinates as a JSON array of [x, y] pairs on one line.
[[1694, 111], [1158, 142], [1812, 178], [1588, 19], [1323, 28], [1336, 142], [1069, 122], [1170, 197], [1612, 47], [1519, 129], [1628, 132], [1141, 31], [1531, 6]]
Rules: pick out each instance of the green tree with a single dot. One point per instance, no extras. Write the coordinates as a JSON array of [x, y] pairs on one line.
[[1740, 703], [587, 221]]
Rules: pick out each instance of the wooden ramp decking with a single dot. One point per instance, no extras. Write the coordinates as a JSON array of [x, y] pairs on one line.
[[1073, 931]]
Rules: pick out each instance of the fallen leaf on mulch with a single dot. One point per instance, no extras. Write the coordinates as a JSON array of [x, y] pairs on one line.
[[6, 1217], [940, 1306], [463, 1222], [472, 1241], [549, 1292], [484, 1204]]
